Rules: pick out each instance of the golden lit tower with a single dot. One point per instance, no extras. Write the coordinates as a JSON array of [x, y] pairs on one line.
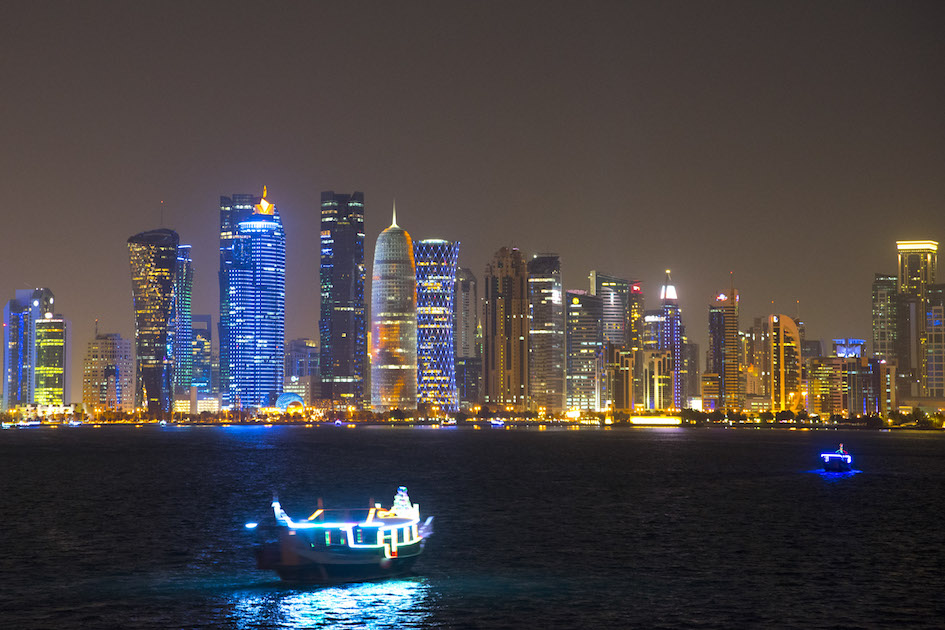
[[394, 321], [784, 364], [153, 271], [917, 262]]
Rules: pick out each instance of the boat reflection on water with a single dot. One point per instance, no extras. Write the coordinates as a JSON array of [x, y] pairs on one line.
[[396, 603]]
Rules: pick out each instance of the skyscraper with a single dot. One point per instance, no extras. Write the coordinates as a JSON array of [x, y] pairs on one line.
[[917, 263], [183, 344], [394, 321], [341, 324], [505, 331], [615, 296], [233, 210], [784, 364], [584, 354], [884, 316], [153, 269], [257, 308], [670, 337], [436, 287], [108, 374], [731, 392], [466, 339], [52, 360], [546, 335]]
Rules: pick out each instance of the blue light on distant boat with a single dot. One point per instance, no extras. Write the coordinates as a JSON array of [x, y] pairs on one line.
[[844, 456], [251, 525]]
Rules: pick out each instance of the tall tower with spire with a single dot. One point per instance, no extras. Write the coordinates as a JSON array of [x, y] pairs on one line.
[[394, 321], [257, 308], [671, 336]]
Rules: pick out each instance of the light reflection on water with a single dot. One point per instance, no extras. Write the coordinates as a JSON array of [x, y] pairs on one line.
[[372, 605], [835, 476]]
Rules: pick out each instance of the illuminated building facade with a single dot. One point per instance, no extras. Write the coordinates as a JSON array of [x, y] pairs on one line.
[[153, 268], [435, 261], [108, 374], [671, 337], [585, 341], [546, 335], [847, 348], [636, 313], [183, 343], [934, 382], [202, 354], [656, 369], [615, 295], [20, 316], [731, 391], [917, 263], [52, 360], [784, 364], [712, 377], [394, 321], [505, 331], [825, 386], [341, 324], [257, 308], [467, 339], [884, 316], [233, 210], [301, 358]]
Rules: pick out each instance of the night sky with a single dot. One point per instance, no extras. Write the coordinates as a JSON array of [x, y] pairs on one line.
[[790, 143]]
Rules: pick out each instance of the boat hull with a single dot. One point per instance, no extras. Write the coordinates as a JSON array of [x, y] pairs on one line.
[[837, 465], [332, 568]]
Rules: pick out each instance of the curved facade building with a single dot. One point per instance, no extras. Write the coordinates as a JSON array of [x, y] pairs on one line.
[[436, 286], [394, 322], [153, 273], [257, 308]]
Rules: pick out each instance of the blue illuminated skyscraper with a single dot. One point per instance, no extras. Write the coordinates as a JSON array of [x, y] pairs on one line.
[[153, 270], [436, 284], [233, 210], [341, 324], [671, 336], [394, 322], [256, 343]]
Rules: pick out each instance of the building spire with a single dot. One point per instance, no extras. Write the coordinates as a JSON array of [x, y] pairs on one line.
[[393, 221], [668, 290]]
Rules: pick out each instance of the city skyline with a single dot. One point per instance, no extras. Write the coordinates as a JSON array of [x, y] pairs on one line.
[[642, 141]]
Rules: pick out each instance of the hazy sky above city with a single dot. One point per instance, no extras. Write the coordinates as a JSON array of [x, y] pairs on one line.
[[790, 143]]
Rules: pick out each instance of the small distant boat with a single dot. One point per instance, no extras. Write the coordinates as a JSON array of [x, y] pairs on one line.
[[337, 545], [839, 461]]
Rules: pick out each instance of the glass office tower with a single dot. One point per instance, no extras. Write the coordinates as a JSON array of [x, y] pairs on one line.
[[436, 286], [341, 324], [153, 269], [257, 309]]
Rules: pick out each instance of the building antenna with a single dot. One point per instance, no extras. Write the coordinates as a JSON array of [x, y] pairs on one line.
[[96, 327], [162, 213], [798, 313]]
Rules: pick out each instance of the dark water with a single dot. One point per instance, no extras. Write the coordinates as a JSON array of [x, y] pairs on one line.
[[143, 528]]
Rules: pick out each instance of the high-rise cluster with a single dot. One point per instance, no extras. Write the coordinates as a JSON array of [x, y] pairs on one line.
[[35, 351]]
